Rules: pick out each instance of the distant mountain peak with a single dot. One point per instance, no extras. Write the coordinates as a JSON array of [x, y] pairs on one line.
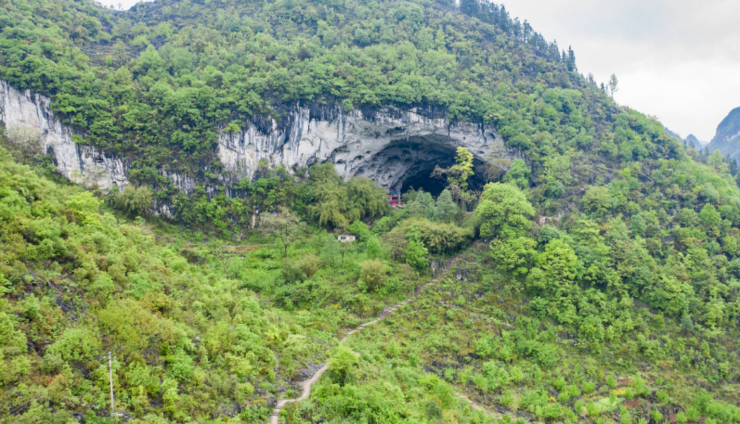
[[727, 138], [690, 140]]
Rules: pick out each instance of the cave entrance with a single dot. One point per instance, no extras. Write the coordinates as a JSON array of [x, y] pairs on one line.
[[424, 181], [406, 164]]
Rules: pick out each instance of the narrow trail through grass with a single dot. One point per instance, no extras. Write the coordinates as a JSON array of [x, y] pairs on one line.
[[307, 384]]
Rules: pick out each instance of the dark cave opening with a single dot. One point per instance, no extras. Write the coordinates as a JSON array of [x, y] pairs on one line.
[[424, 180], [408, 164]]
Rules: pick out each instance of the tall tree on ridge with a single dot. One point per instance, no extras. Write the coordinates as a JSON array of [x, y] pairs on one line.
[[613, 84]]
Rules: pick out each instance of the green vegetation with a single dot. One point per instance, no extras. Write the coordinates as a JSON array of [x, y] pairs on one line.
[[194, 325], [603, 308], [158, 82], [598, 277]]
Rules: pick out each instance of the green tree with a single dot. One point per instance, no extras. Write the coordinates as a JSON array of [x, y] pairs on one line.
[[503, 211], [324, 172], [458, 174], [463, 168], [134, 200], [597, 201], [341, 364], [373, 247], [422, 205], [711, 220], [300, 270], [518, 174], [416, 254], [558, 262], [345, 248], [553, 277], [514, 255], [85, 207], [361, 230], [373, 272], [330, 250], [330, 204], [284, 226], [717, 162], [336, 203], [367, 198], [446, 209], [613, 84]]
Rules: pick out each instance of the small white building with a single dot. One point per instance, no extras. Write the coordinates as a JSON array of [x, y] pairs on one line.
[[345, 238]]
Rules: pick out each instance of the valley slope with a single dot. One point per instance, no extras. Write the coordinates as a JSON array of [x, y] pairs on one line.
[[173, 180]]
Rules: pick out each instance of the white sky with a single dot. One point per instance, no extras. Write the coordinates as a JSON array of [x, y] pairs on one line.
[[678, 60]]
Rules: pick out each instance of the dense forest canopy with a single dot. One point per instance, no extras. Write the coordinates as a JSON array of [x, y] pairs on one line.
[[160, 81], [595, 278]]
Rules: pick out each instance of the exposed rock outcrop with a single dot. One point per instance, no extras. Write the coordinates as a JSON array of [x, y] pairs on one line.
[[21, 109], [387, 145]]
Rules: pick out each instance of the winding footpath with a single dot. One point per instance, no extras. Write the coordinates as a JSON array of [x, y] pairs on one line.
[[307, 384]]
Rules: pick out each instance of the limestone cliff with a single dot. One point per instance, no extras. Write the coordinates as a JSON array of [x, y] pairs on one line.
[[387, 145], [79, 163]]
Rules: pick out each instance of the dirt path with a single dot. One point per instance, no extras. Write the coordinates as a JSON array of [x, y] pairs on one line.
[[307, 384]]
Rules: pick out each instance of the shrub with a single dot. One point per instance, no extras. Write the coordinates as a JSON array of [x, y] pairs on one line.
[[298, 271], [76, 344], [341, 363], [437, 237], [373, 248], [588, 387], [373, 272], [134, 200]]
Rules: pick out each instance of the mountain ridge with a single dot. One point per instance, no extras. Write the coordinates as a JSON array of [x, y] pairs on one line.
[[727, 137], [161, 67]]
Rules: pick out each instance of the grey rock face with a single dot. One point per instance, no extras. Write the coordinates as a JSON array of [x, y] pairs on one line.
[[387, 146], [88, 165]]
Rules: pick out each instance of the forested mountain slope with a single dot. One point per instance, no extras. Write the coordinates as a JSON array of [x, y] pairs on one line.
[[607, 289], [727, 138], [157, 83]]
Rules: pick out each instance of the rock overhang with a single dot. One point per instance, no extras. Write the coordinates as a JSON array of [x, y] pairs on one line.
[[388, 145]]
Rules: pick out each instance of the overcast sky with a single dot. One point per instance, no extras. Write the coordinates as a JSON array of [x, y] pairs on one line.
[[678, 60]]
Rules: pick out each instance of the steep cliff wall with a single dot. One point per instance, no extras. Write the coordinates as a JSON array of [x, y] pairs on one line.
[[82, 164], [387, 145]]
